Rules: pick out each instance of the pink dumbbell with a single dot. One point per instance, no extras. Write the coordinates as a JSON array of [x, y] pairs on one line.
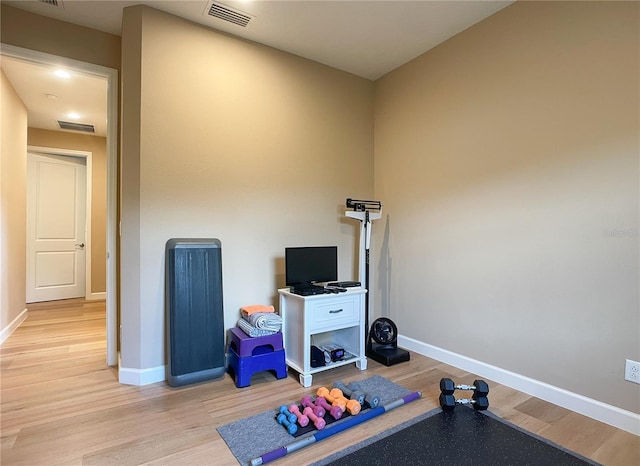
[[307, 402], [302, 419], [335, 411], [317, 421]]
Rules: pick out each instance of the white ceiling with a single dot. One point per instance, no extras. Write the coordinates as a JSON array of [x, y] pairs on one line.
[[368, 38], [49, 98]]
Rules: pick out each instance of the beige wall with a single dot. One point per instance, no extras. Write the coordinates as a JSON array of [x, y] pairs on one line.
[[507, 161], [132, 321], [97, 146], [13, 175], [34, 32], [239, 142]]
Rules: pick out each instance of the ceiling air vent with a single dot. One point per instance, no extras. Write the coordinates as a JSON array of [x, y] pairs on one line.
[[76, 126], [52, 2], [225, 13]]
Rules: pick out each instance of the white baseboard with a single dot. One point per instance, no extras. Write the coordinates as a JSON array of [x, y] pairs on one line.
[[15, 323], [96, 296], [129, 376], [612, 415]]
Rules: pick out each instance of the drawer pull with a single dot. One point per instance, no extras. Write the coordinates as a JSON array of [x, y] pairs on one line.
[[335, 311]]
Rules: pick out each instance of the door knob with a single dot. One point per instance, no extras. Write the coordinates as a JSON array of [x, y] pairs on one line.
[[81, 245]]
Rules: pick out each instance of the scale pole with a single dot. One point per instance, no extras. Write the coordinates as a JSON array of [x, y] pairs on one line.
[[367, 229], [365, 212]]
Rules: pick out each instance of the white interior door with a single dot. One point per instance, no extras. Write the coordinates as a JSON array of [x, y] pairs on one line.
[[56, 227]]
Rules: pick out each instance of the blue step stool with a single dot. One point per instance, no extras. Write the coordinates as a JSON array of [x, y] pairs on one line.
[[260, 354]]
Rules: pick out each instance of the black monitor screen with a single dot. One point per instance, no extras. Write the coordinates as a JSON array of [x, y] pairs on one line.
[[310, 264]]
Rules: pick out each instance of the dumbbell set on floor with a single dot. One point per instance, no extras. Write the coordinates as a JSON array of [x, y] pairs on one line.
[[479, 399], [336, 402], [355, 392]]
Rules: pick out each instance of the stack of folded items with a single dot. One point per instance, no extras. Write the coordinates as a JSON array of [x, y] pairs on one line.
[[259, 320]]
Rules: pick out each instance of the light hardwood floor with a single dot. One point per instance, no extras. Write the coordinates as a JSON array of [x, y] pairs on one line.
[[61, 405]]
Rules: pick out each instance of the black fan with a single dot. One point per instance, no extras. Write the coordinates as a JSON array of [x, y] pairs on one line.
[[384, 332], [382, 344]]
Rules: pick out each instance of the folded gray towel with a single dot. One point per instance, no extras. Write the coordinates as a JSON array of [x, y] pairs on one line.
[[252, 331], [265, 321]]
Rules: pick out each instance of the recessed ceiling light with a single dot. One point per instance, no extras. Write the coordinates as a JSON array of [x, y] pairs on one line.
[[73, 115], [62, 74]]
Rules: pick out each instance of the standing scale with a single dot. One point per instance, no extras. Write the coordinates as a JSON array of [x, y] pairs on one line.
[[382, 338]]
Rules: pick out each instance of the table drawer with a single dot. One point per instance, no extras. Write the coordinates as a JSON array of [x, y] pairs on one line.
[[337, 311]]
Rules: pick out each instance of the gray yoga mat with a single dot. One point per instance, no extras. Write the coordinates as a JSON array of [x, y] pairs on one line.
[[253, 436]]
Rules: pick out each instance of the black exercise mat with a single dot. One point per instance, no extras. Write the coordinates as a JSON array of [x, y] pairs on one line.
[[460, 437]]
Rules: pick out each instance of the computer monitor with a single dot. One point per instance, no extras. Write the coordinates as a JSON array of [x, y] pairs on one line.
[[307, 265]]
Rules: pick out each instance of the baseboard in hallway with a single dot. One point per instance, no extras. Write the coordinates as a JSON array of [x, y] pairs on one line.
[[13, 325]]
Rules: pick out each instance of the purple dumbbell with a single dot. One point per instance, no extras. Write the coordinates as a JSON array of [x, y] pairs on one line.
[[307, 402], [317, 421], [335, 411]]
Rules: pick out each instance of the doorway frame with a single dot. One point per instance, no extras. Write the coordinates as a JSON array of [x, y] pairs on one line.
[[111, 75], [88, 157]]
